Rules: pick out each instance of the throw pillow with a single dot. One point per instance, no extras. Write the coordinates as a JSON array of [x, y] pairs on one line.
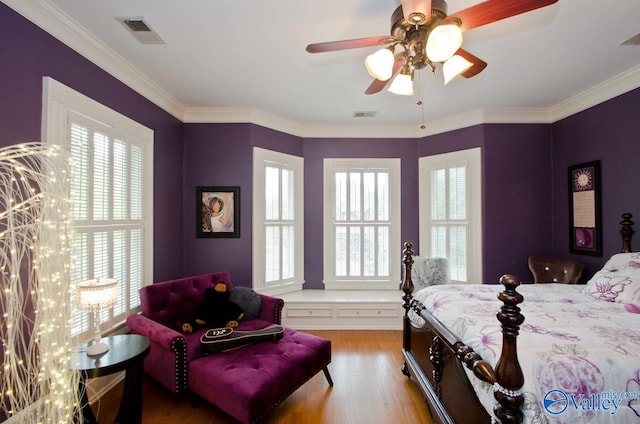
[[248, 300], [618, 280], [427, 272]]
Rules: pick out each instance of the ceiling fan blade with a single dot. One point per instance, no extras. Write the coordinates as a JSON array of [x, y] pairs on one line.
[[356, 43], [495, 10], [378, 85], [416, 11], [478, 64]]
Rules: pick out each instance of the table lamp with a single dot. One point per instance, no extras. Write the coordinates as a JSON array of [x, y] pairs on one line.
[[94, 295]]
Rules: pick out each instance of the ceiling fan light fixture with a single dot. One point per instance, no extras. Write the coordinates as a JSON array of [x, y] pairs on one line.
[[402, 84], [417, 18], [443, 41], [453, 67], [380, 64]]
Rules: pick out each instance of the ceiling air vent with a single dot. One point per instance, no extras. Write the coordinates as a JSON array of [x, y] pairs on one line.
[[141, 30], [364, 114], [632, 41]]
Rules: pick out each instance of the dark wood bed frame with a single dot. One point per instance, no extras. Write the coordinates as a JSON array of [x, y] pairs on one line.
[[435, 358]]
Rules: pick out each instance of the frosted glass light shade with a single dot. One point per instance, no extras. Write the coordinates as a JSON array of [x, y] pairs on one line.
[[443, 42], [380, 64], [99, 292], [402, 85], [94, 295], [453, 67]]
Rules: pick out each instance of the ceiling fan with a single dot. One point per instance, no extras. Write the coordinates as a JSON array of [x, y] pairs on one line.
[[422, 35]]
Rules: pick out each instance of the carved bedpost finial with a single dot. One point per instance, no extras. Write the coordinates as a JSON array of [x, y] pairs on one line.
[[626, 231], [407, 288], [407, 285], [509, 374]]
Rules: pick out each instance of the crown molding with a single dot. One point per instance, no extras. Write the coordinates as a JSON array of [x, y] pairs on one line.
[[606, 90], [54, 21], [221, 115], [58, 24], [275, 122]]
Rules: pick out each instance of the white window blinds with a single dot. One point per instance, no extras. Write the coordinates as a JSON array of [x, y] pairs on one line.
[[449, 225], [279, 224], [362, 225], [450, 212], [111, 189], [278, 252], [107, 172]]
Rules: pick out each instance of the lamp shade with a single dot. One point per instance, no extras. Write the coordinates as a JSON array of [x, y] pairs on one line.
[[97, 293], [402, 85], [380, 64], [453, 67], [443, 41]]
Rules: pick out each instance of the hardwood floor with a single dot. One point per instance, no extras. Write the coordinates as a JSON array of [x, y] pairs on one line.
[[368, 388]]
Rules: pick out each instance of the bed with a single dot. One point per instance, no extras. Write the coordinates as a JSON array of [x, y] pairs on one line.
[[575, 358]]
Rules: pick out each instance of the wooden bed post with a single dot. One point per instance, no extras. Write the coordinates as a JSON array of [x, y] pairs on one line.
[[627, 232], [509, 376], [407, 288]]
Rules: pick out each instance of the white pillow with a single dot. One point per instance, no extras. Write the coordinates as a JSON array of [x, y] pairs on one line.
[[618, 280]]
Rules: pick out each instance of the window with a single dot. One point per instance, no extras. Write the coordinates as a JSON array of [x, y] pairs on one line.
[[111, 185], [361, 223], [278, 240], [450, 212]]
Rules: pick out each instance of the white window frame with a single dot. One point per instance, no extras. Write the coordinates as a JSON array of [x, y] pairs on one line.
[[472, 160], [60, 103], [262, 158], [331, 281]]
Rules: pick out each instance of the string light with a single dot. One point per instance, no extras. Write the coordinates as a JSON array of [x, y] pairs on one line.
[[36, 383]]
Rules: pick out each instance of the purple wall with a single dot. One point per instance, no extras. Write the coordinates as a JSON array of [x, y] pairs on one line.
[[315, 151], [608, 132], [221, 155], [235, 141], [516, 183], [524, 166], [524, 183], [517, 198], [27, 54]]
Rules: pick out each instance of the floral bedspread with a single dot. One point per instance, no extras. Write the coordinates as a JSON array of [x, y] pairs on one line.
[[580, 356]]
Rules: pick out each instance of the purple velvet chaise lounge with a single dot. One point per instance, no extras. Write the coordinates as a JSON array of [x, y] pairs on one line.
[[246, 382]]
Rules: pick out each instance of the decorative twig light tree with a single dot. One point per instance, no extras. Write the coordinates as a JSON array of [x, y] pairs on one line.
[[36, 384]]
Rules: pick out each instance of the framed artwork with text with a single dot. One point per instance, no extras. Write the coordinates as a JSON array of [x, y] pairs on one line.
[[585, 226]]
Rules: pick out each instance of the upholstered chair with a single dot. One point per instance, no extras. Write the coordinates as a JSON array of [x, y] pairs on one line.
[[549, 269], [165, 306]]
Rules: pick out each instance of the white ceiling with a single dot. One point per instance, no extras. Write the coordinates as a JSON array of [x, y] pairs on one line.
[[228, 58]]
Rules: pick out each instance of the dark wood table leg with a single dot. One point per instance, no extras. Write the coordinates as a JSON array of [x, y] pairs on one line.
[[131, 405]]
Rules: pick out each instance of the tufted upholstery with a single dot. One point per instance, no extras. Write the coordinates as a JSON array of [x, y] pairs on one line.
[[165, 305], [249, 382], [171, 302], [547, 269]]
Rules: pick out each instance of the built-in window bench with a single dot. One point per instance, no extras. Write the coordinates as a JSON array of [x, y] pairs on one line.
[[343, 309]]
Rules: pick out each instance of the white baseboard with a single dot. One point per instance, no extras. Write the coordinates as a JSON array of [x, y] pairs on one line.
[[343, 310]]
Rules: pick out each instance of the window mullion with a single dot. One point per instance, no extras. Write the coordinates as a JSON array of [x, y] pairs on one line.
[[280, 224], [361, 208], [447, 209], [281, 255]]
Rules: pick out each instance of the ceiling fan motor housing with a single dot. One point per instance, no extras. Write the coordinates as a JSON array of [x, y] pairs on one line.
[[412, 36], [400, 26]]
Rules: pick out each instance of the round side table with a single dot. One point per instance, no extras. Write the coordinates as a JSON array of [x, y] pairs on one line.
[[126, 353]]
